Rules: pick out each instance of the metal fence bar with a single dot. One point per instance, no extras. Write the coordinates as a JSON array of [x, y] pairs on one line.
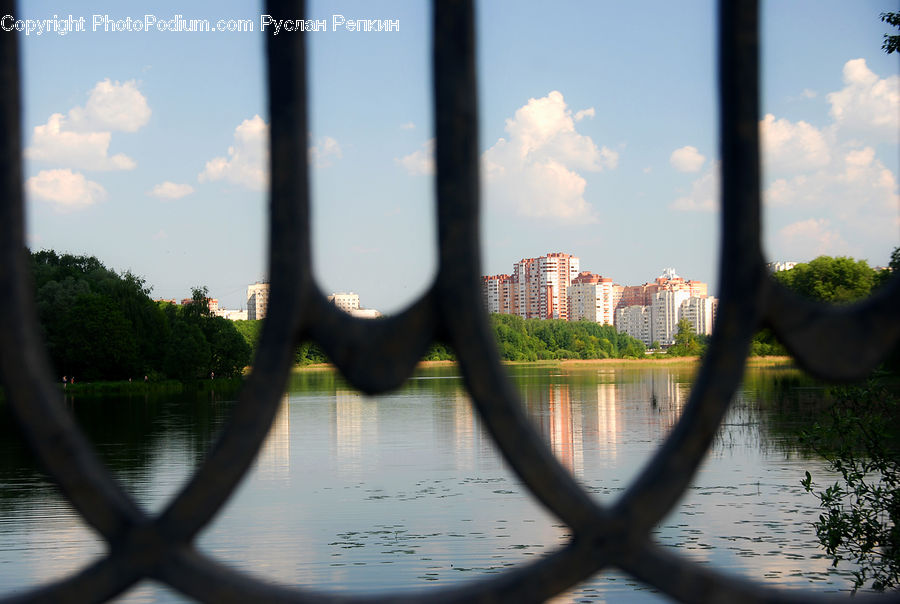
[[376, 356]]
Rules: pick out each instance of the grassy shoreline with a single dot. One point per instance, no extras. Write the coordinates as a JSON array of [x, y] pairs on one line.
[[771, 361]]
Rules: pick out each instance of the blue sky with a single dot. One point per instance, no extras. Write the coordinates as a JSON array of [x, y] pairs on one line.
[[598, 134]]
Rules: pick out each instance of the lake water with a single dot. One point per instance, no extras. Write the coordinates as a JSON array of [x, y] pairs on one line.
[[404, 491]]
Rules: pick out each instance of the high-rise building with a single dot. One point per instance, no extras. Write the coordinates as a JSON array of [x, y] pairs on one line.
[[347, 302], [665, 313], [542, 285], [257, 301], [497, 293], [701, 313], [635, 321], [775, 267], [591, 298]]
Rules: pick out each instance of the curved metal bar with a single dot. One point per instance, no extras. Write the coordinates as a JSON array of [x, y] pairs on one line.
[[49, 428], [688, 581], [101, 581], [205, 579], [377, 355], [664, 480], [458, 286], [374, 355], [291, 288], [836, 342]]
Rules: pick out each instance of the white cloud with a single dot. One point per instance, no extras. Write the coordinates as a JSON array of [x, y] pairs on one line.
[[536, 171], [589, 112], [322, 153], [856, 195], [81, 139], [54, 143], [705, 192], [789, 147], [825, 189], [170, 190], [854, 182], [867, 105], [809, 238], [421, 161], [687, 159], [247, 161], [112, 106], [65, 189], [407, 126]]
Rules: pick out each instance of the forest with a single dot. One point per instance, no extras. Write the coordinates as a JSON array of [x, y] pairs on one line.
[[103, 325]]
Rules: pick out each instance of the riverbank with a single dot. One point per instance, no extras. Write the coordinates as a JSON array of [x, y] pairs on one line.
[[119, 388], [661, 360]]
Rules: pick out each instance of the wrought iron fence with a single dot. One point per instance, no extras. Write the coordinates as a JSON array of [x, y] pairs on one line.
[[833, 342]]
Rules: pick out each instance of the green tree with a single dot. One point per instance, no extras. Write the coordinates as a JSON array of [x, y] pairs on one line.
[[687, 343], [837, 280], [102, 325], [860, 439], [891, 41]]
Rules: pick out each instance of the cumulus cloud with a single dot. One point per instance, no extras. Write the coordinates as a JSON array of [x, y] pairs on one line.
[[792, 146], [82, 138], [589, 112], [687, 159], [325, 151], [247, 161], [867, 104], [705, 192], [112, 106], [421, 161], [856, 181], [536, 171], [170, 190], [810, 238], [64, 189], [54, 143]]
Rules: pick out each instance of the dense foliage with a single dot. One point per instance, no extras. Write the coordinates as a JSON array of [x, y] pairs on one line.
[[838, 280], [687, 342], [100, 325], [518, 339], [859, 437]]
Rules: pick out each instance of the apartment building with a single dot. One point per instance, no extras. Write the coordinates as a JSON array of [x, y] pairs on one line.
[[592, 298], [701, 313], [257, 301], [497, 293], [347, 302], [636, 321], [542, 285], [642, 295], [665, 313]]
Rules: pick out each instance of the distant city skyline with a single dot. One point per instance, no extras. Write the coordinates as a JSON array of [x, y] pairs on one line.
[[147, 149]]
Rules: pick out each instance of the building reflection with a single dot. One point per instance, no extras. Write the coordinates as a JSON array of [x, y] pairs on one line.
[[355, 422], [592, 416], [274, 459]]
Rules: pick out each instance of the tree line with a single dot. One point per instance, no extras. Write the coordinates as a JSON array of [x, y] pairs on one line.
[[836, 280], [103, 325]]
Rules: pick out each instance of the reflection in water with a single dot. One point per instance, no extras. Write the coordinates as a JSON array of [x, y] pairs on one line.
[[274, 460], [355, 422], [578, 415], [353, 494]]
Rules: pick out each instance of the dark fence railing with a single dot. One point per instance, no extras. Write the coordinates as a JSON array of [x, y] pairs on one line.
[[833, 342]]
